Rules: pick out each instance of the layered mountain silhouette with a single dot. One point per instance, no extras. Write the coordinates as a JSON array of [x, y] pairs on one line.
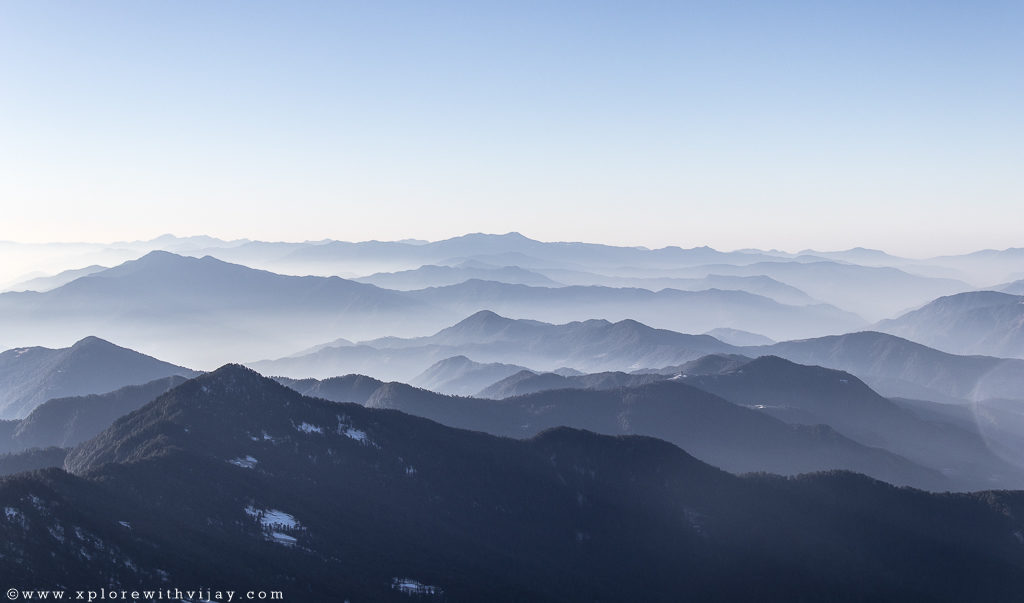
[[484, 247], [813, 395], [758, 285], [66, 422], [439, 276], [592, 345], [898, 367], [848, 286], [206, 309], [987, 265], [341, 258], [722, 433], [712, 364], [1014, 288], [961, 445], [328, 501], [32, 459], [739, 338], [202, 311], [529, 382], [460, 375], [689, 311], [46, 283], [348, 388], [979, 322], [891, 365], [716, 431], [565, 442], [31, 376]]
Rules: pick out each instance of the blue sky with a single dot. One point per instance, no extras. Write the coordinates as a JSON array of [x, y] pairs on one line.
[[735, 124]]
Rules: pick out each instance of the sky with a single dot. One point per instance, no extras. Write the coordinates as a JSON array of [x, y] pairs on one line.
[[788, 125]]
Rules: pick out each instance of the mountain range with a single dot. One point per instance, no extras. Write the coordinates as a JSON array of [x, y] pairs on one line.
[[715, 430], [33, 375], [979, 322], [46, 283], [688, 311], [327, 257], [461, 376], [964, 448], [440, 276], [898, 367], [811, 395], [592, 345], [893, 366], [204, 309], [66, 422], [849, 286], [528, 382], [329, 501]]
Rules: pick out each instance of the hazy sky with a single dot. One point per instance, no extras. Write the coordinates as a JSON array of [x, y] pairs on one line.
[[735, 124]]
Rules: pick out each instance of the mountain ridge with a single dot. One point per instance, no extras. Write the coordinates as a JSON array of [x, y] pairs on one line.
[[30, 376], [433, 500]]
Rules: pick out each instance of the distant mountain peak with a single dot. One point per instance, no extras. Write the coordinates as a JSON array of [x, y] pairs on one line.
[[233, 374], [90, 366], [995, 297], [160, 257], [483, 318], [460, 359], [91, 341], [158, 254], [629, 323], [769, 364], [485, 235], [157, 259]]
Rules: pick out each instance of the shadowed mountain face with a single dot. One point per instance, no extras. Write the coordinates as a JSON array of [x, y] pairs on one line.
[[980, 322], [592, 345], [716, 431], [712, 364], [891, 365], [898, 367], [120, 470], [349, 388], [528, 382], [461, 376], [32, 460], [739, 338], [66, 422], [30, 376], [719, 432], [330, 501], [813, 395], [967, 448]]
